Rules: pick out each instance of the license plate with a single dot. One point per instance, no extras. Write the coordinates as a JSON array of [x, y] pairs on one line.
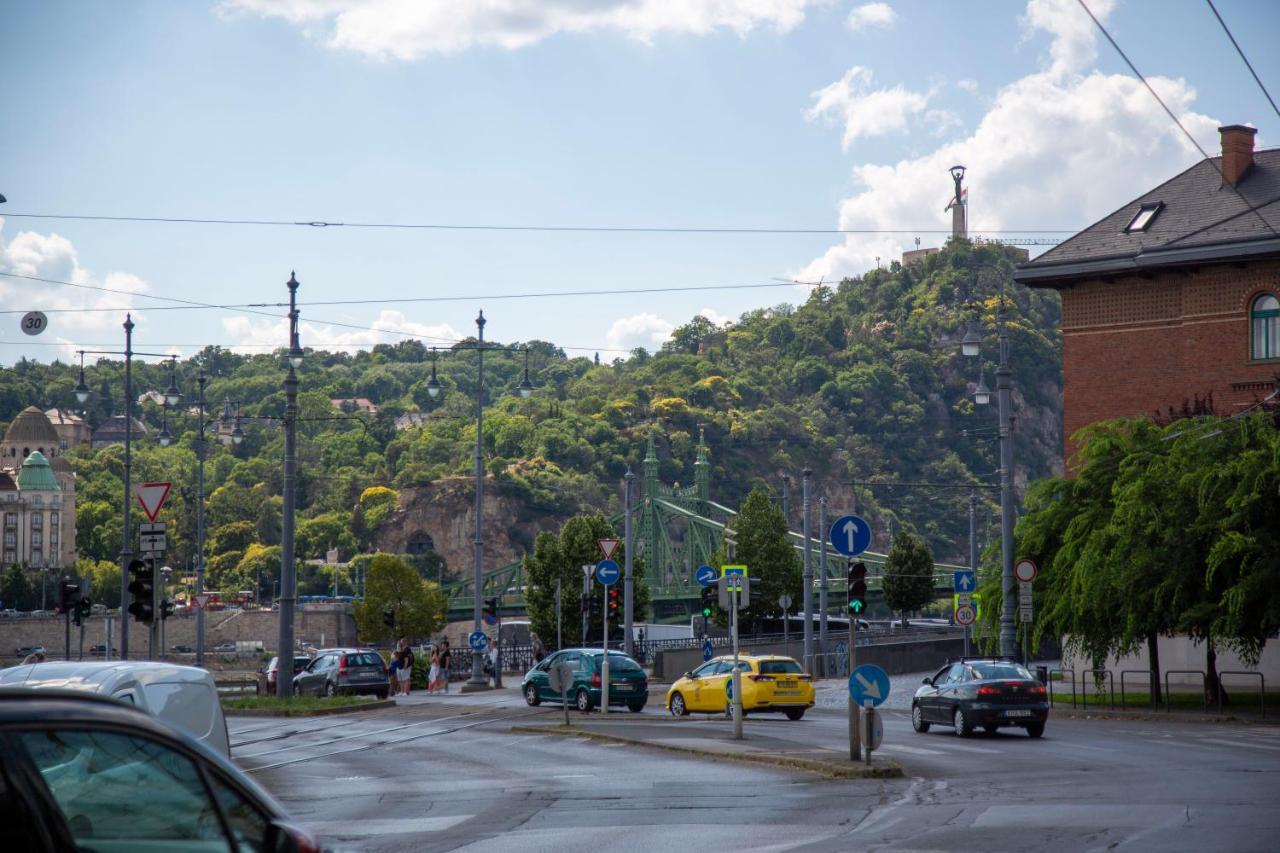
[[786, 693], [788, 684], [1018, 714]]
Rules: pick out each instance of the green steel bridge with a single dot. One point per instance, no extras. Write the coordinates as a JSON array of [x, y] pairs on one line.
[[678, 528]]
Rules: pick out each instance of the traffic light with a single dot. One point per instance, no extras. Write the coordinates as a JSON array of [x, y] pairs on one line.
[[166, 609], [709, 596], [389, 618], [83, 607], [857, 587], [615, 601], [490, 610], [143, 589], [67, 596]]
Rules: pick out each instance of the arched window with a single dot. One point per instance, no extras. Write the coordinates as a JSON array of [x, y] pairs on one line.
[[1265, 327]]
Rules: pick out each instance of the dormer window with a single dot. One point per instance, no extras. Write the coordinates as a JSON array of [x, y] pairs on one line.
[[1144, 217]]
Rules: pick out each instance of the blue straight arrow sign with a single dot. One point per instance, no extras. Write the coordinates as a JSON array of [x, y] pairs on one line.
[[850, 535], [963, 581]]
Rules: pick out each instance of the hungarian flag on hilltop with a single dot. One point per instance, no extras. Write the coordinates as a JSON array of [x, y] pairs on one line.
[[964, 197]]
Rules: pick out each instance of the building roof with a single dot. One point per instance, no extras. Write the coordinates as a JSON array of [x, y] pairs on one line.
[[1200, 220], [32, 425], [37, 475], [61, 417], [6, 482], [361, 403], [112, 429]]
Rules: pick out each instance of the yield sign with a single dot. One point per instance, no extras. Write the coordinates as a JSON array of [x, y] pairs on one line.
[[607, 547], [202, 600], [151, 496]]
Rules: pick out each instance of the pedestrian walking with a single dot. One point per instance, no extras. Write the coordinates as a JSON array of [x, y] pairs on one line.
[[433, 680], [393, 673], [446, 657], [406, 666], [493, 663]]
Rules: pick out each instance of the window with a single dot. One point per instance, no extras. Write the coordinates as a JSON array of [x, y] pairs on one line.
[[1265, 327], [119, 787], [53, 537], [37, 521], [248, 824], [10, 540], [37, 539], [36, 500], [55, 519], [780, 667], [10, 520], [707, 669], [9, 556], [1144, 217]]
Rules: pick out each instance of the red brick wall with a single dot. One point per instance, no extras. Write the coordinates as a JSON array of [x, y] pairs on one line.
[[1135, 346]]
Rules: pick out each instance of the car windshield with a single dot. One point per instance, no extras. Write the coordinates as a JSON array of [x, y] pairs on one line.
[[619, 663], [1000, 670], [779, 667], [364, 659]]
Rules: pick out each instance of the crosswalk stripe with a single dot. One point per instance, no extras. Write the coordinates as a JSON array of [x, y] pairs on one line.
[[967, 748], [356, 828], [910, 750], [1238, 744]]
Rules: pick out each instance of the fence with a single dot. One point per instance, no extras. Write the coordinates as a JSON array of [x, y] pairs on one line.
[[1104, 689]]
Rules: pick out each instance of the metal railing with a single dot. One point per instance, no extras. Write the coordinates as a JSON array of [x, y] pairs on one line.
[[1204, 689], [1064, 673], [1262, 689], [1123, 692], [1100, 677]]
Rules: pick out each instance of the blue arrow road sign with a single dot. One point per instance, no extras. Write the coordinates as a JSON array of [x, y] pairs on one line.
[[728, 688], [869, 682], [607, 572], [963, 581], [850, 535], [707, 650], [477, 640], [705, 575]]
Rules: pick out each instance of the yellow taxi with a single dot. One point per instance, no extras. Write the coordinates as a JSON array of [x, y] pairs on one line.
[[769, 683]]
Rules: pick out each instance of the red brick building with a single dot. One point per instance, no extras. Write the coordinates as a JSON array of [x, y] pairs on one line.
[[1174, 296]]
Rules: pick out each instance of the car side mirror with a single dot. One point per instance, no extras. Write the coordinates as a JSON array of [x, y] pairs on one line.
[[928, 681], [690, 675], [282, 837]]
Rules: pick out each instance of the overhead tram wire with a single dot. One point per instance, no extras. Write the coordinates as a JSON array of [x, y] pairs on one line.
[[1247, 63], [1127, 61], [580, 229]]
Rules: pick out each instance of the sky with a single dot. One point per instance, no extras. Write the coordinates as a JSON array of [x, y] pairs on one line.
[[792, 115]]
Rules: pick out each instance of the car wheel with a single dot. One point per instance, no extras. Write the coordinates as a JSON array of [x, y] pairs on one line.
[[917, 719], [635, 707], [329, 689], [794, 713], [531, 695], [1035, 729], [678, 708], [963, 727], [582, 700], [297, 689]]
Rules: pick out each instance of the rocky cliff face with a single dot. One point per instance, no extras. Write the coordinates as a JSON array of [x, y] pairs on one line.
[[441, 517]]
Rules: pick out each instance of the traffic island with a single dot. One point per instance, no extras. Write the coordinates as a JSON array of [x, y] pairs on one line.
[[300, 706], [756, 749]]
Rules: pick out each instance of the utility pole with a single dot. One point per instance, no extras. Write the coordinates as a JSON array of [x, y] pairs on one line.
[[587, 569], [477, 681], [855, 732], [808, 572], [559, 633], [1004, 394], [288, 571], [201, 452], [628, 603], [126, 550], [735, 592], [973, 550], [822, 581]]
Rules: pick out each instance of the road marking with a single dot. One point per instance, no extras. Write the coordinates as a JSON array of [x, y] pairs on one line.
[[967, 748], [910, 750], [1238, 744], [385, 826], [574, 776]]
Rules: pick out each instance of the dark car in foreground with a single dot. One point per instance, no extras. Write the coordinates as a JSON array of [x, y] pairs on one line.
[[87, 772], [986, 693], [343, 671], [628, 684]]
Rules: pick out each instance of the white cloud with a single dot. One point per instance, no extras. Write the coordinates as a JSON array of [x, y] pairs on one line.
[[639, 330], [251, 335], [715, 316], [863, 112], [52, 256], [1059, 148], [412, 29], [967, 85], [871, 15]]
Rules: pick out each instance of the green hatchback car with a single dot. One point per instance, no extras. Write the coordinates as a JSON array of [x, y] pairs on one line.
[[628, 684]]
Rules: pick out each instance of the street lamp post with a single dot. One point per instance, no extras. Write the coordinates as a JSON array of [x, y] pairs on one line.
[[1004, 400], [628, 583], [805, 476], [822, 581], [288, 573], [170, 399], [201, 447]]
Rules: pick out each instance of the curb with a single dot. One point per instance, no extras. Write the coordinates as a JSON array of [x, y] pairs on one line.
[[1158, 716], [319, 712], [887, 769]]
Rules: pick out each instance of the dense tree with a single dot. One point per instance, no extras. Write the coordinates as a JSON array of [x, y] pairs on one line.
[[762, 545], [908, 575], [15, 590], [391, 584]]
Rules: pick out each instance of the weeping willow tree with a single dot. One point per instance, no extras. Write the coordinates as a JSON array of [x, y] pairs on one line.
[[1163, 531]]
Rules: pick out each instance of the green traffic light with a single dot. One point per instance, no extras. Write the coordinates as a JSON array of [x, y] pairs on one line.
[[856, 606], [706, 612]]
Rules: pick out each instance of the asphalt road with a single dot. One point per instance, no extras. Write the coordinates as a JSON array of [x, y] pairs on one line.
[[445, 773]]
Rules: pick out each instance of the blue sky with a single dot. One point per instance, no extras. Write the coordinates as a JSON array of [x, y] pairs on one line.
[[734, 113]]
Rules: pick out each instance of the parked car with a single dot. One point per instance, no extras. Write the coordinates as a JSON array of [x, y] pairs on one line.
[[92, 773], [98, 650], [987, 692], [225, 647], [343, 671], [628, 684], [23, 651], [769, 683], [267, 675], [182, 650], [183, 696]]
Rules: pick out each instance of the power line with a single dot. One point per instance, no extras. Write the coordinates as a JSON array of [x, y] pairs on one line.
[[589, 229], [1240, 51]]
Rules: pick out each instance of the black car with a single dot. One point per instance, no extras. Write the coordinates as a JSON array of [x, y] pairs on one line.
[[987, 693], [81, 772], [343, 671]]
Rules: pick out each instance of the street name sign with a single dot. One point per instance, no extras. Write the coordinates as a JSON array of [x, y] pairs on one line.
[[1025, 571], [963, 581], [151, 496], [607, 547], [965, 614], [607, 572], [869, 683], [705, 575], [850, 535], [477, 640]]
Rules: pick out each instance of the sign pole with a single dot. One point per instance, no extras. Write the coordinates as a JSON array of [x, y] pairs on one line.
[[559, 641], [855, 746], [870, 722], [736, 677], [604, 678]]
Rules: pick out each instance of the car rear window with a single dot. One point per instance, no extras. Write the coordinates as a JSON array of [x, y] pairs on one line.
[[364, 659], [619, 663], [1000, 670], [779, 667]]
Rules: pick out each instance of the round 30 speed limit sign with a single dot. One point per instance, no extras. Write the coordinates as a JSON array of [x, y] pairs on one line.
[[965, 614]]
